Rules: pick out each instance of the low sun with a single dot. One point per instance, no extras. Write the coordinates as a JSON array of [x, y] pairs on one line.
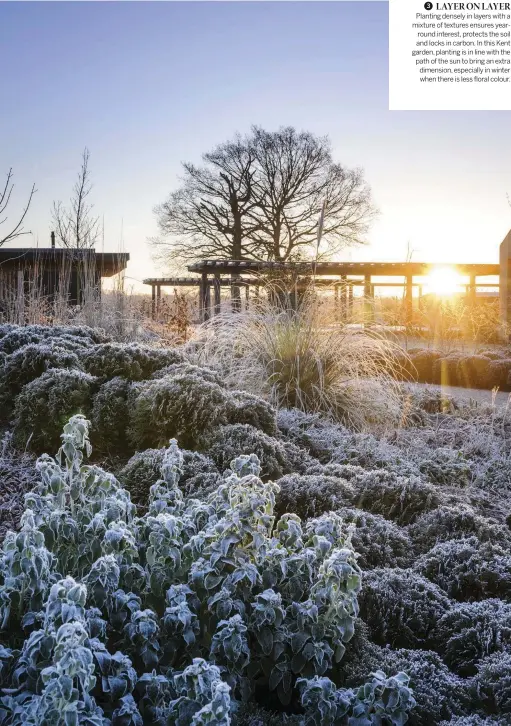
[[443, 282]]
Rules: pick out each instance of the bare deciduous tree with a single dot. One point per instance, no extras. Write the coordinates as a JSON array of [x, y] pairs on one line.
[[76, 226], [260, 196], [209, 215], [296, 177], [17, 229]]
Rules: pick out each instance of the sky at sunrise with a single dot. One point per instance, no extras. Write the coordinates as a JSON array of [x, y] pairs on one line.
[[146, 86]]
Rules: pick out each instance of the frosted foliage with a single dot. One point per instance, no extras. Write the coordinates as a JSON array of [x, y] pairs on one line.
[[471, 631], [401, 608], [377, 541], [467, 569]]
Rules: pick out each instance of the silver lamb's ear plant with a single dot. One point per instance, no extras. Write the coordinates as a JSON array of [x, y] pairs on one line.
[[115, 596]]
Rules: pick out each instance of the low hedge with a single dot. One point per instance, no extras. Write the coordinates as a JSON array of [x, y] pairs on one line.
[[485, 370]]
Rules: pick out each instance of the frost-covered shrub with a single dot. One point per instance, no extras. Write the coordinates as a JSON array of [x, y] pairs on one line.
[[422, 360], [45, 404], [199, 475], [446, 370], [474, 371], [190, 369], [28, 363], [448, 522], [498, 372], [401, 499], [256, 604], [19, 336], [400, 607], [18, 475], [467, 569], [110, 413], [377, 542], [132, 361], [311, 496], [477, 720], [471, 631], [439, 693], [447, 467], [233, 440], [494, 683], [246, 408], [312, 433], [185, 406]]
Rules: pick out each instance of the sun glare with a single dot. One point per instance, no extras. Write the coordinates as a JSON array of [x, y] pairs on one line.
[[443, 282]]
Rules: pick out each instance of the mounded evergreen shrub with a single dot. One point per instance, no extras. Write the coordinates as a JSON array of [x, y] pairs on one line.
[[448, 522], [199, 475], [499, 371], [401, 499], [471, 631], [312, 495], [186, 406], [28, 363], [494, 683], [377, 541], [422, 362], [110, 415], [474, 371], [245, 408], [236, 439], [447, 467], [132, 361], [401, 608], [439, 693], [468, 569], [46, 403]]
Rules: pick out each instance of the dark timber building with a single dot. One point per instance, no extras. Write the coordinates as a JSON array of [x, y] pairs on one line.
[[52, 272]]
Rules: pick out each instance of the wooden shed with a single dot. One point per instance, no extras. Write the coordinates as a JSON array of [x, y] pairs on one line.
[[52, 271]]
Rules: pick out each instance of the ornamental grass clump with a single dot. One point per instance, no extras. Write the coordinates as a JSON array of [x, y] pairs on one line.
[[299, 360], [173, 618]]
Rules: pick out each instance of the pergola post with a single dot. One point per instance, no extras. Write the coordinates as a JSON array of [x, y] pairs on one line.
[[368, 299], [350, 300], [409, 299], [153, 301], [216, 293], [472, 291], [158, 300], [343, 298]]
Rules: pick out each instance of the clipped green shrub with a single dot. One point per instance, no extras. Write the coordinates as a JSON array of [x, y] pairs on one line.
[[46, 403], [438, 693], [28, 363], [401, 499], [246, 408], [422, 361], [199, 475], [401, 608], [186, 406], [231, 441], [132, 361], [446, 370], [110, 415], [448, 522], [312, 495], [471, 631], [377, 542], [474, 371], [498, 372], [494, 683], [467, 569], [446, 466]]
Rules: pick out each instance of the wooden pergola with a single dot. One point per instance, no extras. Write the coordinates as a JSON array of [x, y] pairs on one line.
[[341, 276]]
